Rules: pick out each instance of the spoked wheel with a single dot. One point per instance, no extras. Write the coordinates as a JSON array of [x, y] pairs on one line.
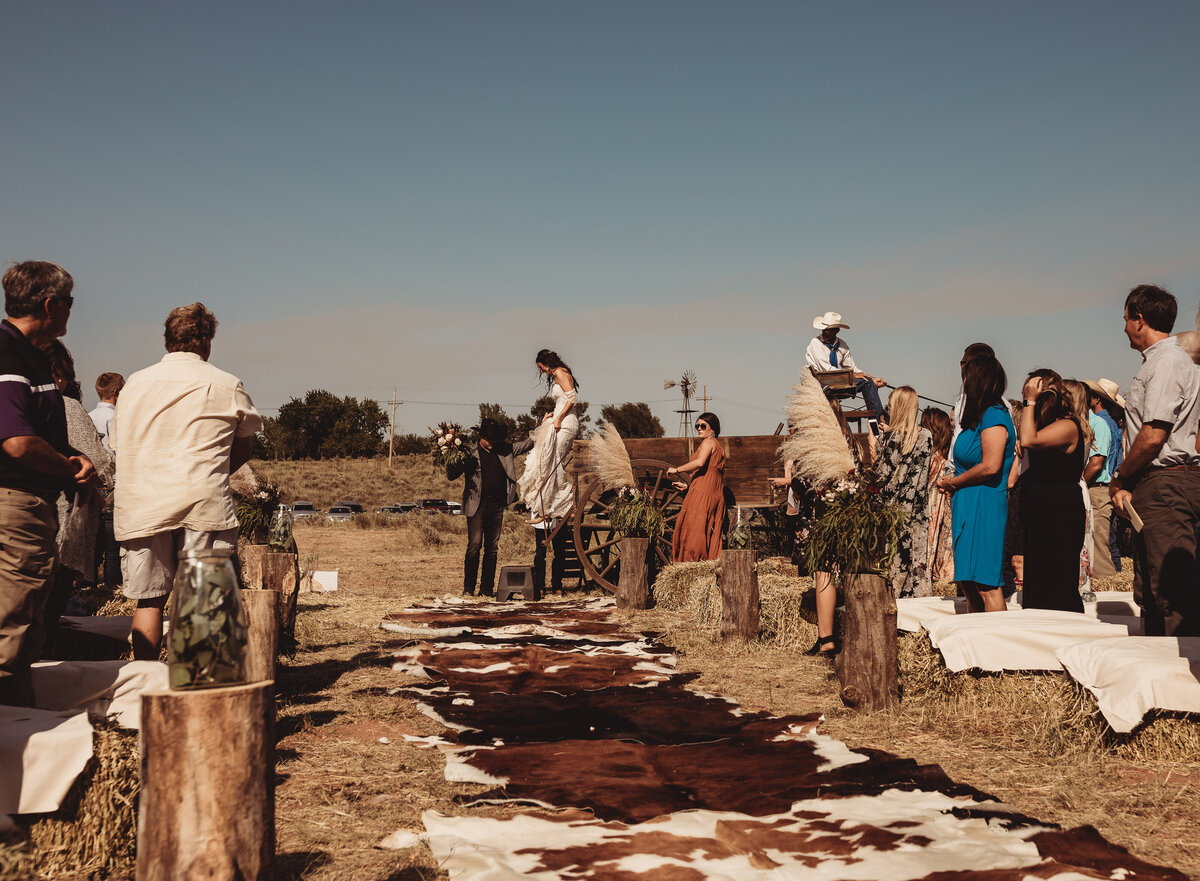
[[599, 545]]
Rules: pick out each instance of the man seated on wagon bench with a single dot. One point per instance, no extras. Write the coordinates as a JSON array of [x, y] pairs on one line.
[[828, 352]]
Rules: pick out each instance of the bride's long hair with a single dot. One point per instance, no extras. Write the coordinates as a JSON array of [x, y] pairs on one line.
[[550, 358]]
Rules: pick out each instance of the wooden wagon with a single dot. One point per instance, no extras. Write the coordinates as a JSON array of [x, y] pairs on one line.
[[750, 462]]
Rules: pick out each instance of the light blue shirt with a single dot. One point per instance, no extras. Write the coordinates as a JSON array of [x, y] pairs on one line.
[[1101, 446]]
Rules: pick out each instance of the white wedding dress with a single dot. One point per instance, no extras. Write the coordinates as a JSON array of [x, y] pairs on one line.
[[544, 487]]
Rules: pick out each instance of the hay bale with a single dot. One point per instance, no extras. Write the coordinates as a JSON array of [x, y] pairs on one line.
[[787, 609], [94, 831], [1062, 717]]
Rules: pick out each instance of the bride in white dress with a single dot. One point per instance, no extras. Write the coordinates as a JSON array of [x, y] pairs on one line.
[[544, 487]]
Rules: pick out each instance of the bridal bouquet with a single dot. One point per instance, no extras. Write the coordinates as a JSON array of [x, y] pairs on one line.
[[448, 446]]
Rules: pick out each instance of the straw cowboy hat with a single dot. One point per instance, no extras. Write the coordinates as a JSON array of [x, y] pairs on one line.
[[1108, 390], [830, 319]]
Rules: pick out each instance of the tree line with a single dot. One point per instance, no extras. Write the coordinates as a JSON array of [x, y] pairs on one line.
[[322, 425]]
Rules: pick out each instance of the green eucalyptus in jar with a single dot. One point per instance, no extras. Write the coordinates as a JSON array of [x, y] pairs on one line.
[[208, 625]]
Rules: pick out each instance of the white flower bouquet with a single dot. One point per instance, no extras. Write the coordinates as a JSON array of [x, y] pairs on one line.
[[448, 445]]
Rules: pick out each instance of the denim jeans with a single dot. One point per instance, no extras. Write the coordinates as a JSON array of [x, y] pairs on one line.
[[483, 533]]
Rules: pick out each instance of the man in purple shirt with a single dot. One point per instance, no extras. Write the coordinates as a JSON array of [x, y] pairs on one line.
[[36, 464]]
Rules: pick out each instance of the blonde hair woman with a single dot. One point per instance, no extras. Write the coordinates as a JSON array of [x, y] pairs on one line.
[[902, 466], [1077, 394], [1052, 511]]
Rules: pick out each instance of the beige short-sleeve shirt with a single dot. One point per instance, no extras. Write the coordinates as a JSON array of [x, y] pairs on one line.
[[173, 433]]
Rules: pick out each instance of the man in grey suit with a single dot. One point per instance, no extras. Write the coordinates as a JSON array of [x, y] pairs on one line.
[[490, 486]]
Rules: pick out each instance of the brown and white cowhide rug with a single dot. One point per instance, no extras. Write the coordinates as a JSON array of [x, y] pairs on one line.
[[638, 777]]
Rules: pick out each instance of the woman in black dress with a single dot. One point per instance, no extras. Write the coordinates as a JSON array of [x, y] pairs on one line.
[[1052, 513]]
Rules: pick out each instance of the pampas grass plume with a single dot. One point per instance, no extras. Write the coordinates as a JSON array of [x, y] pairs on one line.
[[608, 459], [818, 446]]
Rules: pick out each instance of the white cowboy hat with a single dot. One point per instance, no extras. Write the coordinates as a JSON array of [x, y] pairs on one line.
[[829, 319], [1107, 389]]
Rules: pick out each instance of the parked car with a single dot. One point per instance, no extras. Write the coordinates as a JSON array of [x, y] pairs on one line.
[[455, 507], [338, 514], [398, 508], [355, 507], [301, 510], [434, 506]]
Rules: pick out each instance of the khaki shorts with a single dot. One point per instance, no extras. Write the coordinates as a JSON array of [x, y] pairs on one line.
[[148, 564]]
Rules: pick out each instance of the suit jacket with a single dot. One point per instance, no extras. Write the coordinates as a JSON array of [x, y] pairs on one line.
[[472, 492]]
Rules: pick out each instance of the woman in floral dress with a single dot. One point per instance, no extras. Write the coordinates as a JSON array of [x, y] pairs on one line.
[[902, 467], [941, 530]]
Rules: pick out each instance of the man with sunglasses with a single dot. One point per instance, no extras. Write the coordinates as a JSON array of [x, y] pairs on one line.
[[37, 464]]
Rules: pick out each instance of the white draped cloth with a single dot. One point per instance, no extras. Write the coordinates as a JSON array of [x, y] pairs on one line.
[[544, 487]]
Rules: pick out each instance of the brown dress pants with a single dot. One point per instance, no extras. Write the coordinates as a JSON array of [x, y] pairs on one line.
[[1164, 552], [28, 528]]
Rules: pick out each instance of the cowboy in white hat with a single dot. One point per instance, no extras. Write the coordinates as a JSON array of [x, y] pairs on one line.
[[828, 352]]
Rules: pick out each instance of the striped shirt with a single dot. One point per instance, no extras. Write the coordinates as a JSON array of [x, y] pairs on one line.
[[30, 406]]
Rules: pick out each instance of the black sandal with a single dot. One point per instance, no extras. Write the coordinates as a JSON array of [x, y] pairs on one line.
[[818, 647]]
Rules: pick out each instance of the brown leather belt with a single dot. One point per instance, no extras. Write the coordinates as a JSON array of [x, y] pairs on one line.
[[1154, 469]]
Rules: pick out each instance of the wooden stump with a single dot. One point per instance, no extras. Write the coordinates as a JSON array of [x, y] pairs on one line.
[[737, 578], [633, 588], [264, 570], [262, 633], [866, 666], [207, 803]]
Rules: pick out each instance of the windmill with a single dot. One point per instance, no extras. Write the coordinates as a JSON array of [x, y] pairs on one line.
[[687, 387]]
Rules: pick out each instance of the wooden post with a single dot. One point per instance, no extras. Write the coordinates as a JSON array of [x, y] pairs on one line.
[[207, 802], [263, 570], [262, 633], [633, 589], [867, 666], [737, 578]]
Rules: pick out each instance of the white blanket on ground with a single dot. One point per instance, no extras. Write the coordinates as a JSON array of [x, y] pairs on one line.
[[1024, 639], [41, 752], [1130, 677], [101, 688], [912, 613]]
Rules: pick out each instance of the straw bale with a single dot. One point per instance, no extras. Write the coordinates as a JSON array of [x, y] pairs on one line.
[[787, 610], [1060, 715], [94, 831]]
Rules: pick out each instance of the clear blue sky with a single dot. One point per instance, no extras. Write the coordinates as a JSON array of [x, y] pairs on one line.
[[422, 195]]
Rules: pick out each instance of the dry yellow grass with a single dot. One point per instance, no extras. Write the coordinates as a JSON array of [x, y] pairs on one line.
[[341, 790]]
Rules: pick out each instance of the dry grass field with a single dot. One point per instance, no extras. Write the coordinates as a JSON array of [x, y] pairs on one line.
[[347, 778], [342, 790]]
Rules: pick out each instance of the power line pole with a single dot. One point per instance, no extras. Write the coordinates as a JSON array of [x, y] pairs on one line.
[[704, 398], [392, 435]]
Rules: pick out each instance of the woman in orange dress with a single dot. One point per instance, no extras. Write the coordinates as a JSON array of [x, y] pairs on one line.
[[702, 518]]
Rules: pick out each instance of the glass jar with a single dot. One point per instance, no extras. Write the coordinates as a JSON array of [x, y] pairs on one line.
[[208, 625]]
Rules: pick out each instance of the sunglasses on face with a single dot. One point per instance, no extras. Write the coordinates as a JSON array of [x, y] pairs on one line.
[[700, 425], [69, 301]]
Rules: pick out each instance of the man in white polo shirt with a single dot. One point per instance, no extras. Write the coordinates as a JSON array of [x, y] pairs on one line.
[[181, 428]]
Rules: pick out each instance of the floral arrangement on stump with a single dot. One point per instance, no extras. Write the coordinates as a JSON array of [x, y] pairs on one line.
[[254, 511], [634, 514], [851, 528], [448, 446]]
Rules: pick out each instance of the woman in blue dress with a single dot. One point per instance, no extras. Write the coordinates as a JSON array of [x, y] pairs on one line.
[[983, 456]]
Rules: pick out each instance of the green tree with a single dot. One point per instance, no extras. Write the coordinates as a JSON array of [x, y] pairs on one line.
[[323, 426], [632, 419], [408, 444]]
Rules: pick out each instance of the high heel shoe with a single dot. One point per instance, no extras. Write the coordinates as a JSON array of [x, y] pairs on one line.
[[825, 645]]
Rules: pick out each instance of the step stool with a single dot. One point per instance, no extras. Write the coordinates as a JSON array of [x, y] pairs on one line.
[[514, 580]]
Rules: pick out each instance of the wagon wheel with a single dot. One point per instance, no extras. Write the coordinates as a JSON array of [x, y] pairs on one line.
[[599, 546]]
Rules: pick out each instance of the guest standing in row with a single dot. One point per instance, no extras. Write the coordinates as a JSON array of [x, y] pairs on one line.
[[902, 467], [1052, 515], [983, 454], [941, 530], [701, 520]]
